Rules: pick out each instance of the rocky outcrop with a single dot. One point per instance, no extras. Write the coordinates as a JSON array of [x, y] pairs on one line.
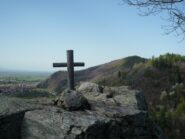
[[12, 112], [116, 113]]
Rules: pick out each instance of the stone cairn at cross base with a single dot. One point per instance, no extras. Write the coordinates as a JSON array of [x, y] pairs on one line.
[[72, 100]]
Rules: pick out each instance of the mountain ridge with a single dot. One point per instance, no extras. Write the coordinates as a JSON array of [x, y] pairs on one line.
[[58, 80]]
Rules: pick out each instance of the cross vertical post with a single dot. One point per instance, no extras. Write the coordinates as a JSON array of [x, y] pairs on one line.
[[70, 68]]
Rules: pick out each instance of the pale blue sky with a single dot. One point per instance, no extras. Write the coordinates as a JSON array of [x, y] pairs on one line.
[[36, 33]]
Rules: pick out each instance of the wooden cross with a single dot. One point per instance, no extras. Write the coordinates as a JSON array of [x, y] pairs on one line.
[[70, 68]]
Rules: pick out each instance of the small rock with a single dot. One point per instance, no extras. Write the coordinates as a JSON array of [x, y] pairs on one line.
[[90, 87], [109, 95], [163, 95], [72, 100]]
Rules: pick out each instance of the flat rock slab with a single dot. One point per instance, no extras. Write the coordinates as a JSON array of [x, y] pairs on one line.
[[55, 123]]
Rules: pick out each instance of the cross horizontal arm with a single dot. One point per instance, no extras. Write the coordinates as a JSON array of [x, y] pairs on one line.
[[79, 64], [59, 64]]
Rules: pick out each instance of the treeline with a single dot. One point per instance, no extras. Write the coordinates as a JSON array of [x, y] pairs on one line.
[[170, 63], [167, 61]]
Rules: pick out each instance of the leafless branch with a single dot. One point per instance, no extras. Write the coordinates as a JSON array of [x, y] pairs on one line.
[[174, 8]]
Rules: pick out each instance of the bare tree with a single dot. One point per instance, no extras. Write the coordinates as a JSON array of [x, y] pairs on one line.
[[174, 8]]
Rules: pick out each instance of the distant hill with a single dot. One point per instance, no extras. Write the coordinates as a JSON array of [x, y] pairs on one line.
[[58, 80]]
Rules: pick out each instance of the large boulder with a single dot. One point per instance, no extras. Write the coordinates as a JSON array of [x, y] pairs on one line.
[[72, 100], [121, 115], [115, 96]]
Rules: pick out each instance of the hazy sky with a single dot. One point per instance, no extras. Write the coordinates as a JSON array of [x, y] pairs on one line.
[[36, 33]]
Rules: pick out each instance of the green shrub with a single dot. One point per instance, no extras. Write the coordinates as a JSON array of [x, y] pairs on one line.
[[167, 61], [180, 110]]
